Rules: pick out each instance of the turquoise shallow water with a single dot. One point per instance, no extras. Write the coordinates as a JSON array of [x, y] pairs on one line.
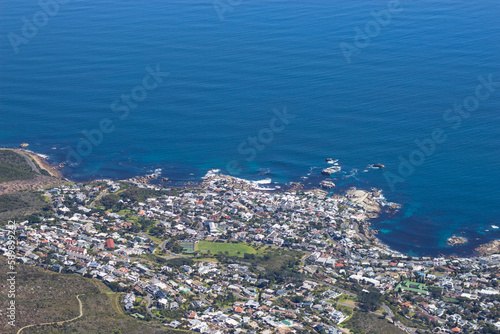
[[226, 78]]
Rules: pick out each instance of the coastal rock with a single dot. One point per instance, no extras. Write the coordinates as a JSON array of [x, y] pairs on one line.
[[296, 186], [489, 248], [325, 184], [24, 145], [143, 180], [364, 200], [330, 170], [317, 192], [227, 182], [456, 241], [379, 166]]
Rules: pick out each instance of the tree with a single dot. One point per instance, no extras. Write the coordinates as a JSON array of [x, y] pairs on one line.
[[157, 231], [109, 201], [174, 246], [34, 219], [370, 301], [248, 256], [490, 329]]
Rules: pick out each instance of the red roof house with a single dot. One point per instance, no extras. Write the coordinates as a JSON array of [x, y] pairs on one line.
[[110, 244]]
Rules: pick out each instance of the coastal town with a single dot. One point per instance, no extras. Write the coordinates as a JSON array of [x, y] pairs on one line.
[[230, 256]]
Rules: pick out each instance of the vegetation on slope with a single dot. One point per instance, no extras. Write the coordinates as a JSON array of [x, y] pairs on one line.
[[14, 167], [44, 296], [368, 323], [19, 205]]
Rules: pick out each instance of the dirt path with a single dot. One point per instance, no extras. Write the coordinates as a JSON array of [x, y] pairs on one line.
[[57, 322], [115, 301]]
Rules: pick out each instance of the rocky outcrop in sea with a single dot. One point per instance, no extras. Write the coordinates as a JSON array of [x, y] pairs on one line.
[[457, 241], [489, 248]]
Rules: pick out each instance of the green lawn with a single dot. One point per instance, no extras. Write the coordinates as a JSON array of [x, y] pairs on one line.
[[343, 298], [231, 248], [155, 239], [412, 286]]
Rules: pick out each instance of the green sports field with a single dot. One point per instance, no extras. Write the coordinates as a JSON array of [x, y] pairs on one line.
[[231, 248]]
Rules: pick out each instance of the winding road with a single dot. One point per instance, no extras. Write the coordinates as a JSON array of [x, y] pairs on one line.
[[29, 161], [104, 192], [57, 322]]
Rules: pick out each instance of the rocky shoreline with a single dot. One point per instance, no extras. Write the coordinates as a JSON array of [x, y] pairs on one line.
[[490, 248], [52, 170], [368, 201]]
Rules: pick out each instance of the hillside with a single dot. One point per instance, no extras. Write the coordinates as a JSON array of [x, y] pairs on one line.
[[23, 170], [44, 296], [14, 166], [19, 205], [21, 173], [367, 323]]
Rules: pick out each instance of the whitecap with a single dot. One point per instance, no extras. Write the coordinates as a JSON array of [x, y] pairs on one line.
[[43, 156], [257, 185], [265, 181], [211, 172]]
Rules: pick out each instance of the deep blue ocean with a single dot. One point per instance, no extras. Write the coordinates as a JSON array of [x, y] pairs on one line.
[[355, 89]]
